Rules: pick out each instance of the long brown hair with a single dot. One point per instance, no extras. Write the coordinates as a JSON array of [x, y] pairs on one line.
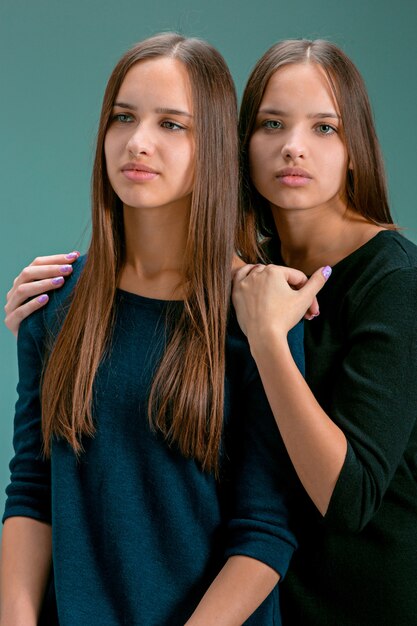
[[186, 400], [366, 184]]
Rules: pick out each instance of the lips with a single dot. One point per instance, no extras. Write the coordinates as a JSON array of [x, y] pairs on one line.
[[138, 172], [293, 176]]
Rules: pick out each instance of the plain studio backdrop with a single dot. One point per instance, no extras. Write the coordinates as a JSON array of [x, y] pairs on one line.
[[56, 56]]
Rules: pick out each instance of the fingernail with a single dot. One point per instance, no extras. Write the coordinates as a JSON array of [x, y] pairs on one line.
[[65, 268], [72, 255], [326, 271], [58, 280], [44, 298]]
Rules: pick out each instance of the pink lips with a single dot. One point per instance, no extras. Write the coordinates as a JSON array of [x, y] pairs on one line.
[[293, 176], [138, 172]]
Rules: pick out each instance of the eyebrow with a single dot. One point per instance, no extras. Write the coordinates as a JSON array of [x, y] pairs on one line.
[[323, 115], [279, 113], [163, 110], [173, 112]]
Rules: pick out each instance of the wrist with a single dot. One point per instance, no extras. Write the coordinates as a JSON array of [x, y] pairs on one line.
[[265, 340], [18, 615]]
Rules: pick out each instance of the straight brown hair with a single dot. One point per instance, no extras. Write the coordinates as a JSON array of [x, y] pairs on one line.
[[187, 395], [366, 183]]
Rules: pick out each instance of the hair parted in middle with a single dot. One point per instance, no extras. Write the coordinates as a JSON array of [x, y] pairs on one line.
[[186, 400], [366, 184]]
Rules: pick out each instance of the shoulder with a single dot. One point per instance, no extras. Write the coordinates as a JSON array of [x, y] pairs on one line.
[[384, 259], [394, 248], [386, 252]]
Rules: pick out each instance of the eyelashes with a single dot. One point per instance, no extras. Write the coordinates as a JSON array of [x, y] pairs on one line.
[[277, 125]]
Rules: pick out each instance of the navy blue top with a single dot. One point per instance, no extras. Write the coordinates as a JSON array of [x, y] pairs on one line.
[[139, 532]]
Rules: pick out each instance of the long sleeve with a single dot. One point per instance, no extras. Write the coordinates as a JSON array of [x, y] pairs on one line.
[[358, 564], [260, 525], [374, 398], [29, 492]]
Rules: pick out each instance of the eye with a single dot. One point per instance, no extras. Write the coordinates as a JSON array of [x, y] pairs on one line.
[[172, 125], [123, 118], [272, 124], [326, 129]]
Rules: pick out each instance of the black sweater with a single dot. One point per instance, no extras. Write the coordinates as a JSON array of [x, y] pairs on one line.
[[358, 565]]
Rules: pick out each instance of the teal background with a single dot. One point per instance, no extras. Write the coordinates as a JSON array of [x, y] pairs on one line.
[[55, 58]]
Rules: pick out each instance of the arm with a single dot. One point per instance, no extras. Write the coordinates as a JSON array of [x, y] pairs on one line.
[[267, 308], [25, 566], [316, 445], [346, 458], [28, 291], [26, 542], [260, 542], [240, 587]]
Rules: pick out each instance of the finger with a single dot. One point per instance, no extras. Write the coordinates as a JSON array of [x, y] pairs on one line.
[[295, 278], [23, 292], [313, 310], [39, 272], [56, 259], [316, 282], [244, 271], [14, 319]]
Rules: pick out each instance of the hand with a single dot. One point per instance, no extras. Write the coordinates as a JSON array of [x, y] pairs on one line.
[[43, 274], [272, 298]]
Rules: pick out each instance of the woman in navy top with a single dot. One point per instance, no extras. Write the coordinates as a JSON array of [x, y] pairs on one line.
[[149, 480]]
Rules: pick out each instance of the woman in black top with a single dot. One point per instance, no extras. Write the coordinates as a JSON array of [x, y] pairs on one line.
[[313, 184]]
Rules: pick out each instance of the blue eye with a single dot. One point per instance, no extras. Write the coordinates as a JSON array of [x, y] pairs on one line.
[[326, 129], [272, 124], [171, 125], [124, 118]]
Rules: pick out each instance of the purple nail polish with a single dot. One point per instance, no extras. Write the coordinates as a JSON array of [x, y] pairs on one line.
[[326, 271], [72, 255], [58, 280], [44, 298], [65, 268]]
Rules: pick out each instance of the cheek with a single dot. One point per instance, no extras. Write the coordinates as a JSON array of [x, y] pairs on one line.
[[258, 159], [187, 157], [336, 163]]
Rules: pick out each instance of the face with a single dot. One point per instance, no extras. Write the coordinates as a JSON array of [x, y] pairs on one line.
[[149, 145], [298, 159]]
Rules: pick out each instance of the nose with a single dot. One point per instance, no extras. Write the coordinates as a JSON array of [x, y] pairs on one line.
[[140, 142], [294, 146]]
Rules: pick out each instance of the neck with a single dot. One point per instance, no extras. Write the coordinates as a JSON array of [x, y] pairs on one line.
[[316, 237], [155, 242]]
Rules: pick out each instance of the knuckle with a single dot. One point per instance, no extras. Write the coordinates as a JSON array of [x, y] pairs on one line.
[[21, 290], [25, 274]]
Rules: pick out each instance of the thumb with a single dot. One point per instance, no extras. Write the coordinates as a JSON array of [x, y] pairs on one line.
[[317, 281]]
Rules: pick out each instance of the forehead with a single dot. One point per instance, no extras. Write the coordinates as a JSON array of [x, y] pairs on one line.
[[301, 85], [163, 79]]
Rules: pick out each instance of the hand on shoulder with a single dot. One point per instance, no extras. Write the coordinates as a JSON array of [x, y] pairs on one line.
[[29, 287], [271, 299]]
